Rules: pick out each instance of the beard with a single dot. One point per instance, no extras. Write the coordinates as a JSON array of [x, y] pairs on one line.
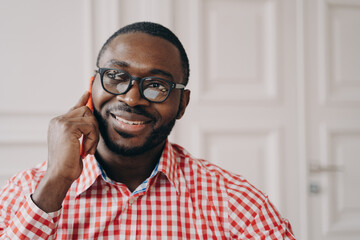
[[156, 137]]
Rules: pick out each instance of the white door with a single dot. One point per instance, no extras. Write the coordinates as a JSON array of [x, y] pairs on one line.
[[333, 103], [243, 110]]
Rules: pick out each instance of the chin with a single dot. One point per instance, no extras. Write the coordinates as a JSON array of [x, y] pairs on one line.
[[131, 147], [125, 144]]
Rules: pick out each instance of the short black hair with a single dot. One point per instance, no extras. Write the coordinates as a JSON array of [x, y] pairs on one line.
[[157, 30]]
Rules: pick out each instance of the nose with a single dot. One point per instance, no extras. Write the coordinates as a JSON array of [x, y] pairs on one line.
[[133, 97]]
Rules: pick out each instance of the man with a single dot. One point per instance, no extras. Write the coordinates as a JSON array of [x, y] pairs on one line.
[[133, 183]]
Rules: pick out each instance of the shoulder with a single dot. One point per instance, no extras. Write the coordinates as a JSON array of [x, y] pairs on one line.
[[242, 203], [27, 180], [234, 185]]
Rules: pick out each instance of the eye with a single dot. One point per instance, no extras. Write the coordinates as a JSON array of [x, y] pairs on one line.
[[158, 85], [116, 76], [113, 75], [155, 85]]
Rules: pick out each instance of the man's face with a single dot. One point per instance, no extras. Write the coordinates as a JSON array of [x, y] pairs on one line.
[[129, 124]]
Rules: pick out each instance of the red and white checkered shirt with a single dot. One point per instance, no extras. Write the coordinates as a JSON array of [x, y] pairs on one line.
[[185, 198]]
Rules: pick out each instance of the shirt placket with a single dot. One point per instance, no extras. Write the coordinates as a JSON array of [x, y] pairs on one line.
[[129, 218]]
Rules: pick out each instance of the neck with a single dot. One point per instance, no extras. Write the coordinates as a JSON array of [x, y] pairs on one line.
[[129, 170]]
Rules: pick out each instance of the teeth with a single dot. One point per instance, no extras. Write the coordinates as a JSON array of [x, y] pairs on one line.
[[130, 122]]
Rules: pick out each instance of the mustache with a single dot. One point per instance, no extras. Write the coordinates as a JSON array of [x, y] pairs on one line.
[[136, 110]]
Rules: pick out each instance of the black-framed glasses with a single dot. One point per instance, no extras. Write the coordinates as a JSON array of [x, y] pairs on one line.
[[153, 89]]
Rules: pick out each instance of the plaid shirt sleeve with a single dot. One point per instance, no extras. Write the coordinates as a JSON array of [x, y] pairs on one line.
[[20, 218], [253, 216], [268, 224]]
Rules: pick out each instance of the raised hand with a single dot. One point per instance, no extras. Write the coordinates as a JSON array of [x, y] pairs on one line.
[[64, 157]]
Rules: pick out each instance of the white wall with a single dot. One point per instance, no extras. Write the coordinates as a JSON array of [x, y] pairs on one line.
[[44, 64]]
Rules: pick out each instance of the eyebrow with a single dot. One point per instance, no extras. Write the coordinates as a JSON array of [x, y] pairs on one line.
[[161, 72], [119, 63], [152, 71]]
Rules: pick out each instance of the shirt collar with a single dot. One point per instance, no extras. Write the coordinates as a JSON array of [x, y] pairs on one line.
[[167, 165], [90, 173]]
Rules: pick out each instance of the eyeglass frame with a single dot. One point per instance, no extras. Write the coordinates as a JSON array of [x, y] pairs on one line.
[[172, 85]]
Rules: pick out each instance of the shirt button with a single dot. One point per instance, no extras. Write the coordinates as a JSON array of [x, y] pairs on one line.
[[107, 188], [45, 229]]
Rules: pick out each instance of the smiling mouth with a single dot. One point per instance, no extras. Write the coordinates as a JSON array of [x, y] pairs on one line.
[[131, 122]]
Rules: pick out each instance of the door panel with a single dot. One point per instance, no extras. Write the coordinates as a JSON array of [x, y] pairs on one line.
[[334, 118], [239, 60], [242, 113]]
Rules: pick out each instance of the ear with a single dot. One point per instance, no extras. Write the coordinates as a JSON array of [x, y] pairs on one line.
[[185, 98]]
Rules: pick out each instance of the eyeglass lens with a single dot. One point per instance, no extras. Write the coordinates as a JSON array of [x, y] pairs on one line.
[[118, 82]]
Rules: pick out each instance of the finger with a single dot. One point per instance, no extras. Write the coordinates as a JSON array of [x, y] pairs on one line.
[[87, 126], [88, 112], [90, 141], [75, 127], [82, 111], [82, 102]]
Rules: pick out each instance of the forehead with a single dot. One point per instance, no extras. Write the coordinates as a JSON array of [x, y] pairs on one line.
[[142, 51]]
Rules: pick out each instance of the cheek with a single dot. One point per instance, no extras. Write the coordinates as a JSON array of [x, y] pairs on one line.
[[99, 96], [169, 110]]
